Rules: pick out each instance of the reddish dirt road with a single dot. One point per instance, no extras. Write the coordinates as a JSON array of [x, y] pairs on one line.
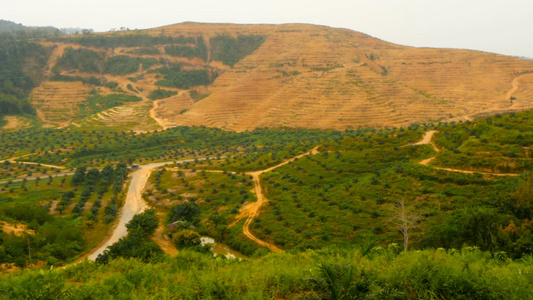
[[251, 210]]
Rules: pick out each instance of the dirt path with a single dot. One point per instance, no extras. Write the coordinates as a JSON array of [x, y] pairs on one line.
[[426, 140], [56, 53], [133, 205], [154, 116], [13, 160], [251, 210], [514, 88]]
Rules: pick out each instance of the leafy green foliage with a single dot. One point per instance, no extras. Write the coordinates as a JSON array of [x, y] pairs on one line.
[[230, 50], [495, 144], [137, 243], [145, 51], [145, 223], [186, 238], [17, 57], [187, 212], [55, 240], [176, 77], [161, 94], [123, 64], [82, 60], [96, 102], [189, 52]]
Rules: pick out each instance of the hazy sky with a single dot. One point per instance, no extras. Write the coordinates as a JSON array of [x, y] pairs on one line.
[[500, 26]]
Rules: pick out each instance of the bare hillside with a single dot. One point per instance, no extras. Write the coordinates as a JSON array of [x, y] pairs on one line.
[[294, 76]]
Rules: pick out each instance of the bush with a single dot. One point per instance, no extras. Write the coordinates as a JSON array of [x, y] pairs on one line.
[[184, 212], [161, 94], [186, 238]]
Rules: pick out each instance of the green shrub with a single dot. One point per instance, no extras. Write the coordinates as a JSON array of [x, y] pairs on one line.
[[186, 238], [161, 94]]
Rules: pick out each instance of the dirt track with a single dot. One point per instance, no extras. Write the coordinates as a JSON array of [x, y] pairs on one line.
[[426, 140], [154, 115], [134, 203], [514, 88], [251, 210]]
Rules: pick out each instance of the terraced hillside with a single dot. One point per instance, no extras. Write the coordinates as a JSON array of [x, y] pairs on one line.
[[241, 77]]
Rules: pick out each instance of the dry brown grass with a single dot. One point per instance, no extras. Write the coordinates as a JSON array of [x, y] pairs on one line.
[[320, 77]]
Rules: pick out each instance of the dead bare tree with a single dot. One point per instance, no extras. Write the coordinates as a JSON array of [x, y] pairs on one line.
[[405, 220]]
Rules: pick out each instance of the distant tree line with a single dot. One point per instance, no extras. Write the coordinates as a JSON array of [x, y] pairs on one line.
[[129, 40], [89, 61], [16, 78]]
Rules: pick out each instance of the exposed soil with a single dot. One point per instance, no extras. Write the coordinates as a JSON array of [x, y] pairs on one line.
[[307, 76], [17, 229], [15, 122]]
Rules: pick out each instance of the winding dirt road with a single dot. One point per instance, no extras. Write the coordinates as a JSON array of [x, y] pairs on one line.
[[154, 115], [251, 210], [427, 140], [513, 89], [134, 203], [14, 161]]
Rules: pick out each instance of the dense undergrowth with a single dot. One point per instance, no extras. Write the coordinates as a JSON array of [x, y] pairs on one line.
[[332, 273]]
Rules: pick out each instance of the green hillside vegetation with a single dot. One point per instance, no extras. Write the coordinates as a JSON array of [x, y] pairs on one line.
[[9, 27], [124, 40], [91, 80], [122, 64], [96, 103], [177, 77], [85, 60], [82, 60], [17, 170], [21, 65], [161, 94], [145, 51], [499, 144], [200, 50], [230, 50], [346, 195], [26, 31]]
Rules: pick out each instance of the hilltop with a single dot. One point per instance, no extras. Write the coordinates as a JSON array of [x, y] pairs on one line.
[[242, 77]]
